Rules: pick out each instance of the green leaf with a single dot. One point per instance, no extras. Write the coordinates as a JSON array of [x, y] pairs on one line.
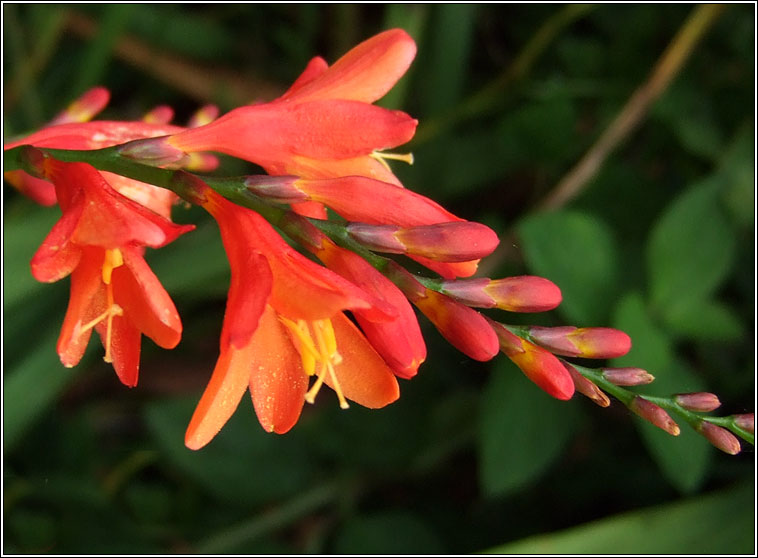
[[738, 166], [413, 18], [522, 431], [721, 523], [684, 459], [691, 249], [31, 386], [25, 227], [451, 37], [395, 532], [705, 320], [577, 252], [689, 115]]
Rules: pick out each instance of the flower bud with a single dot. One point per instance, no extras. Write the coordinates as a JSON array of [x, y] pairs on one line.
[[204, 115], [654, 415], [33, 161], [587, 342], [746, 422], [701, 402], [456, 241], [628, 376], [201, 162], [162, 114], [540, 366], [156, 152], [84, 108], [720, 437], [280, 188], [466, 329], [515, 294], [588, 388]]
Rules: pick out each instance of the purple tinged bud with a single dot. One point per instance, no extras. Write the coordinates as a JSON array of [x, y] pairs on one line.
[[628, 376], [470, 292], [700, 402], [33, 161], [377, 237], [524, 293], [588, 388], [156, 152], [720, 437], [654, 414], [456, 241], [190, 187], [587, 342], [281, 189], [746, 422]]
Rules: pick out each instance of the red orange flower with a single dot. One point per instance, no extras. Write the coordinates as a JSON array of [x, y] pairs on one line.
[[284, 323], [324, 126], [100, 241]]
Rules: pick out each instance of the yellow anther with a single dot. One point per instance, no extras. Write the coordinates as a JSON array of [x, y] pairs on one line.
[[113, 259], [382, 157], [322, 352]]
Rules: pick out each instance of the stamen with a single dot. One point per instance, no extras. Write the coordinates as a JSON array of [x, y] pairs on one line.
[[323, 351], [113, 259], [303, 343], [382, 157]]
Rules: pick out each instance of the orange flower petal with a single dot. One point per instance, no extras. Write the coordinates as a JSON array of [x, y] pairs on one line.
[[87, 300], [124, 350], [314, 69], [144, 300], [57, 256], [363, 375], [277, 381], [222, 395], [365, 73]]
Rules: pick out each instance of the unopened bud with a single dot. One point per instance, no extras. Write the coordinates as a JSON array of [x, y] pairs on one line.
[[540, 366], [201, 162], [190, 187], [525, 293], [466, 329], [204, 115], [32, 161], [280, 189], [720, 437], [156, 152], [700, 402], [587, 342], [745, 421], [162, 114], [84, 108], [654, 415], [455, 241], [628, 376], [588, 388]]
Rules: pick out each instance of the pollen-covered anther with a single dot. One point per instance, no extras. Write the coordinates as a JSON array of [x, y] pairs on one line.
[[383, 157], [317, 345]]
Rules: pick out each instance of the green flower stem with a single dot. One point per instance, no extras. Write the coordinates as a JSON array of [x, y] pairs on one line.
[[233, 188], [668, 403]]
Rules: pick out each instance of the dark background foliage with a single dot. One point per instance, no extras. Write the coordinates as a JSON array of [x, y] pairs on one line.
[[472, 457]]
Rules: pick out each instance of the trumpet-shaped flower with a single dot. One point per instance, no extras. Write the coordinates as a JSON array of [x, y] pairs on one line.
[[284, 323], [100, 241], [325, 125]]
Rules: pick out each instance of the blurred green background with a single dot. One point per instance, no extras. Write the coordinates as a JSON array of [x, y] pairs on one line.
[[472, 458]]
